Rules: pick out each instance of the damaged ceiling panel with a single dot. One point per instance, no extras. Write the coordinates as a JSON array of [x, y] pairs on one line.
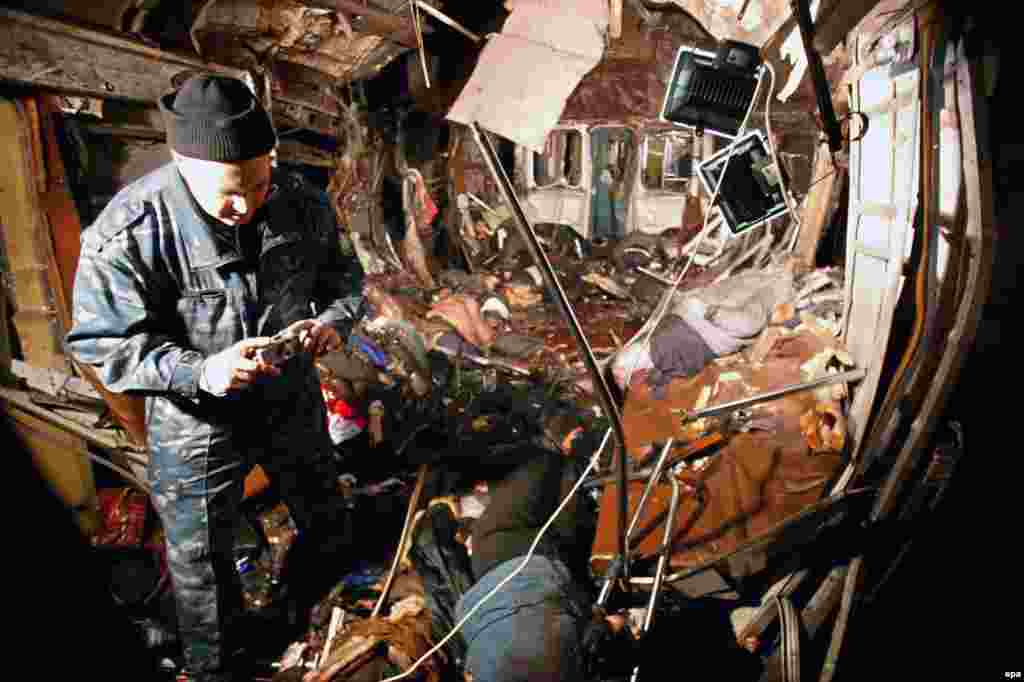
[[749, 21], [340, 44], [526, 73]]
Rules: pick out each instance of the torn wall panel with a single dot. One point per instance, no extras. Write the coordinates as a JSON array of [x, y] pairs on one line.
[[576, 27]]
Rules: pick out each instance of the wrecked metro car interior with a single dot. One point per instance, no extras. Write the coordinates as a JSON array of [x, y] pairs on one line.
[[380, 340]]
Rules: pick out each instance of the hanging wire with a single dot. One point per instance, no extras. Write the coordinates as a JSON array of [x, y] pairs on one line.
[[529, 555]]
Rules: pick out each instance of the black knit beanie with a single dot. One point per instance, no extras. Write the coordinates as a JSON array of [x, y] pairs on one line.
[[217, 118]]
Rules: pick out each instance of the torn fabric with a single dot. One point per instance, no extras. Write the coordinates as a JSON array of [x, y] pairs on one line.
[[526, 73]]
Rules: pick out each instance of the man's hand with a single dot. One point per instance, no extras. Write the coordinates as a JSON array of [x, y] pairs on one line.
[[317, 338], [235, 367]]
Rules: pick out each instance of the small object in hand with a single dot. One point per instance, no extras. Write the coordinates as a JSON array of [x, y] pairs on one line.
[[282, 347]]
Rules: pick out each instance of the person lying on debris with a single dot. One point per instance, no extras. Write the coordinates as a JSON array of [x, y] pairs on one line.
[[182, 280], [706, 323], [542, 624]]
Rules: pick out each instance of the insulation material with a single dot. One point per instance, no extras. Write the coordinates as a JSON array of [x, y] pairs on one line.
[[525, 74], [750, 21]]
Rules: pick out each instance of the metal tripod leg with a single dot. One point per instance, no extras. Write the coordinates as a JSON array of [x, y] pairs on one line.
[[659, 575], [615, 569], [655, 475]]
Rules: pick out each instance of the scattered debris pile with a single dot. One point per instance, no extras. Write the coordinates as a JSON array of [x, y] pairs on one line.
[[745, 472]]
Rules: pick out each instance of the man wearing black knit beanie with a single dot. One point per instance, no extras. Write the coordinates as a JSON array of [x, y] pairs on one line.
[[183, 279]]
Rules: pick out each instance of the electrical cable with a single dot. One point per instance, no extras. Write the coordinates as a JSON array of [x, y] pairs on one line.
[[520, 567], [647, 330], [775, 158]]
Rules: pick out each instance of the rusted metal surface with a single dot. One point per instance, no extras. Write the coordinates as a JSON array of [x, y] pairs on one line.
[[34, 281], [291, 82], [289, 151], [289, 31], [821, 205], [616, 91], [391, 24]]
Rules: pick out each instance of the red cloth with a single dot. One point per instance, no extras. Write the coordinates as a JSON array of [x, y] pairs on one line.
[[124, 512], [342, 409]]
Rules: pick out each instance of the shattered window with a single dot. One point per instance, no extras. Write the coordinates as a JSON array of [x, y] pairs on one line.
[[611, 153], [668, 162], [562, 160], [611, 148]]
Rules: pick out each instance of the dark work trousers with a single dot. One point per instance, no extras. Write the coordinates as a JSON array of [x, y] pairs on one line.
[[197, 483]]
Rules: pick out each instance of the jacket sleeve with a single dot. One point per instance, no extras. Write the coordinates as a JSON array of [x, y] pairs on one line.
[[118, 328], [339, 285]]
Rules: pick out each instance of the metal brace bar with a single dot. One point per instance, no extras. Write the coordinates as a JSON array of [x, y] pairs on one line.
[[540, 258], [716, 410], [655, 475], [659, 575], [818, 77], [443, 18]]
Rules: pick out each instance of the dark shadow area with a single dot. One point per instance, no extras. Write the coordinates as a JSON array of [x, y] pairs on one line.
[[694, 639], [68, 625]]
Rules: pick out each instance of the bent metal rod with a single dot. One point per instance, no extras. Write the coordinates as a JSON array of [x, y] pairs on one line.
[[540, 258]]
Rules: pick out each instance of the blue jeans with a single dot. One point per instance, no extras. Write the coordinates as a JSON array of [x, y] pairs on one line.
[[531, 629]]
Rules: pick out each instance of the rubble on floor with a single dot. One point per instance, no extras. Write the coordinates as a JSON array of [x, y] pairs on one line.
[[772, 460], [766, 327], [421, 353]]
